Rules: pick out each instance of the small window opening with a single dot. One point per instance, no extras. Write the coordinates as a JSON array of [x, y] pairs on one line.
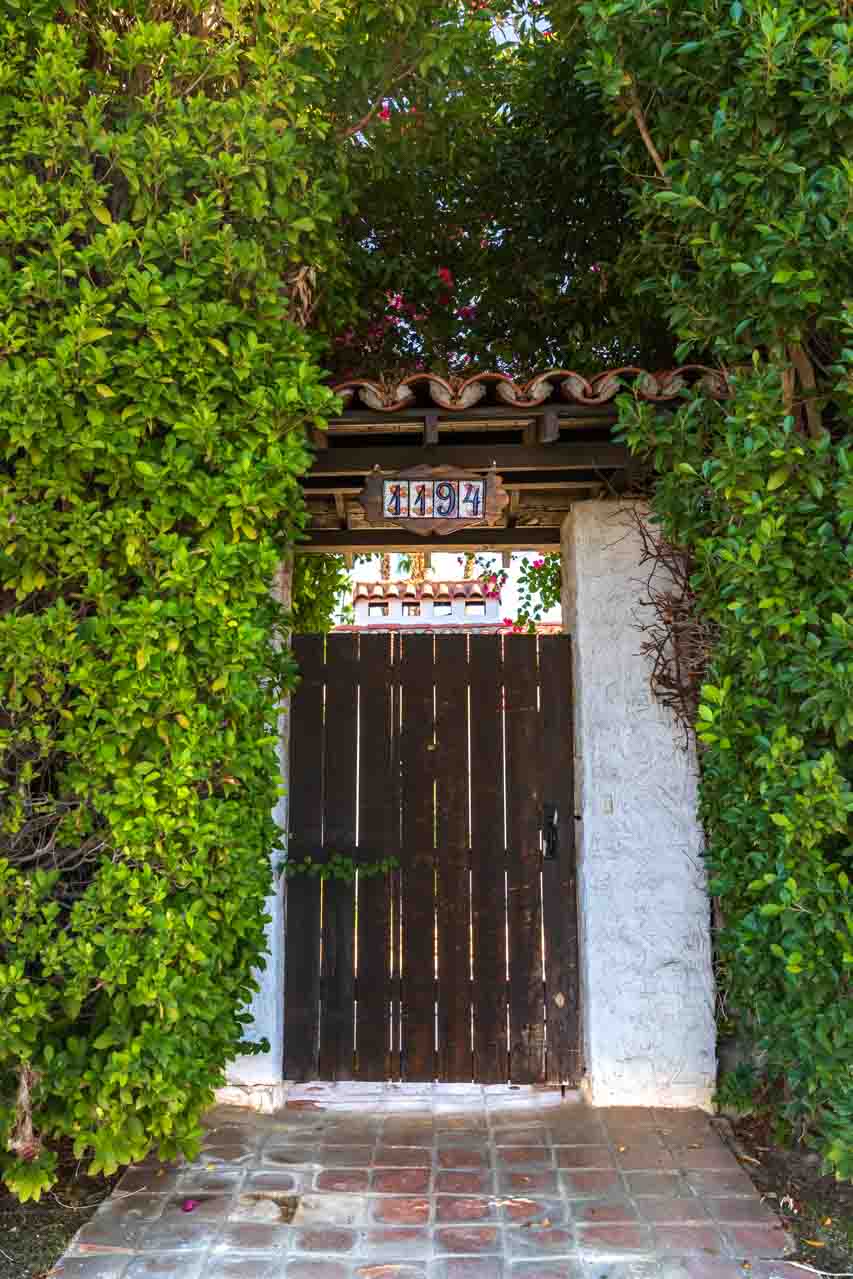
[[475, 608], [442, 609], [411, 610], [377, 610]]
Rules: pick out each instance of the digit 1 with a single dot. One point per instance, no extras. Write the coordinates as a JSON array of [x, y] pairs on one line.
[[396, 499]]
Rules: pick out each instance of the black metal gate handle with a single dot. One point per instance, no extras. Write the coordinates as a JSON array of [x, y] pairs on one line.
[[550, 831]]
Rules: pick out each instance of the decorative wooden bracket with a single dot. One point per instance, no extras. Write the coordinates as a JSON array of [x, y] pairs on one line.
[[415, 499]]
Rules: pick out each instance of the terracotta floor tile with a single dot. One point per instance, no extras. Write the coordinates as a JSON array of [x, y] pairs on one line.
[[590, 1211], [688, 1239], [613, 1239], [673, 1211], [546, 1270], [467, 1239], [591, 1184], [399, 1243], [540, 1241], [467, 1268], [528, 1183], [584, 1157], [401, 1181], [463, 1183], [757, 1241], [521, 1210], [399, 1210], [749, 1212]]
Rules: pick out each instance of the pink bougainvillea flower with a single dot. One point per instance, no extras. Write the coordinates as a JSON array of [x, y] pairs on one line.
[[395, 301], [467, 312], [446, 276], [385, 113], [538, 563], [189, 1205]]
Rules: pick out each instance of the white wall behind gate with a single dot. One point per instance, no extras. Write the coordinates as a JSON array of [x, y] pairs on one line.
[[647, 983]]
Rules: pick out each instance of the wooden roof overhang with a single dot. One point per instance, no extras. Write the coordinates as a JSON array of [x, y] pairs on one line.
[[550, 450]]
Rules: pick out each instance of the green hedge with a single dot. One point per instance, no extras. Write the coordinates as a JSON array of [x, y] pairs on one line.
[[766, 513], [152, 401]]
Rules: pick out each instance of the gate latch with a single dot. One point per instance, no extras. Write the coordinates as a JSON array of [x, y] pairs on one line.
[[550, 831]]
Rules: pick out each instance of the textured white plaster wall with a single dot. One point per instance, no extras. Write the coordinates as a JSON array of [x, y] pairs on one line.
[[265, 1071], [647, 982]]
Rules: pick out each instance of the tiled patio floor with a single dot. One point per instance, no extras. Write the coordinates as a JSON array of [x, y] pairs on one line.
[[414, 1182]]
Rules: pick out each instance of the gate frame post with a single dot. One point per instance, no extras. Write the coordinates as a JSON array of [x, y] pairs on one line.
[[647, 988], [258, 1081]]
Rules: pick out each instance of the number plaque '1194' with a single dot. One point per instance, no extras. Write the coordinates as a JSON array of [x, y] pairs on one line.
[[433, 499]]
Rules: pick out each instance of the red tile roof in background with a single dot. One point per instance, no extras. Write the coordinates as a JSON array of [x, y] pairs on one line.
[[374, 591]]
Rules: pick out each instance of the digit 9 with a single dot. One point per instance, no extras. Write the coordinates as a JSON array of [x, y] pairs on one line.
[[446, 498]]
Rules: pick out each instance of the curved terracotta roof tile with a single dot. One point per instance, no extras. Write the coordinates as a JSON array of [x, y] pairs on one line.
[[456, 394]]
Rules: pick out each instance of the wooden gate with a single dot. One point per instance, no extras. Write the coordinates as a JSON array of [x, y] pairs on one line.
[[449, 754]]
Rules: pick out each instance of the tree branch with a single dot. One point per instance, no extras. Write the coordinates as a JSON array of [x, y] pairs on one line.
[[352, 129], [640, 117], [805, 372]]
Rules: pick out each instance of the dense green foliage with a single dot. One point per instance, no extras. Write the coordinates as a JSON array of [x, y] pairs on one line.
[[743, 220], [172, 177], [493, 236]]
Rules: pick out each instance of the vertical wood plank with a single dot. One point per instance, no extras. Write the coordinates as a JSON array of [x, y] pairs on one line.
[[377, 839], [454, 966], [302, 892], [559, 899], [417, 764], [488, 860], [337, 1039], [524, 808]]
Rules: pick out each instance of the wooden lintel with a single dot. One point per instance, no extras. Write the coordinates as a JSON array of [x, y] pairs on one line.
[[373, 541], [351, 486], [590, 413], [471, 457]]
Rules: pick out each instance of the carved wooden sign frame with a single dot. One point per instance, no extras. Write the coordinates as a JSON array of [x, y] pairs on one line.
[[433, 499]]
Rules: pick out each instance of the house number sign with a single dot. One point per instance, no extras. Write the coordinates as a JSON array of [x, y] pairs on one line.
[[433, 499]]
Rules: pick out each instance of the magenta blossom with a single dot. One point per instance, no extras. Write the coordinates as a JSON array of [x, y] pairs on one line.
[[538, 563], [385, 113]]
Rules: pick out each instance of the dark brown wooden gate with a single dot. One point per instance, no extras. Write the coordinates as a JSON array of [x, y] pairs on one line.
[[444, 753]]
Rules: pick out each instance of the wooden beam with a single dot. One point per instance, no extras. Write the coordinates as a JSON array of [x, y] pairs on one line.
[[352, 485], [370, 541], [472, 457], [485, 413]]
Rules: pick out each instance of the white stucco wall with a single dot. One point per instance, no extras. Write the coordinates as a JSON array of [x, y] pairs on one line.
[[257, 1080], [647, 983]]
